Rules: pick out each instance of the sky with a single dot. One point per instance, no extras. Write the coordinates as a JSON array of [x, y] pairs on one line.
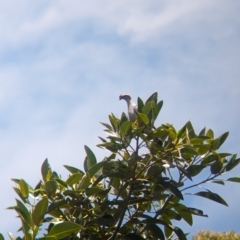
[[63, 65]]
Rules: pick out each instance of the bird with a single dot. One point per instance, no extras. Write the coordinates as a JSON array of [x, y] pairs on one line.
[[132, 107]]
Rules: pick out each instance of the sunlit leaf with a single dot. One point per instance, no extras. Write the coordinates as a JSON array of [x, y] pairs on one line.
[[64, 229], [91, 159], [143, 118], [125, 128], [73, 169], [46, 171], [24, 188], [40, 210]]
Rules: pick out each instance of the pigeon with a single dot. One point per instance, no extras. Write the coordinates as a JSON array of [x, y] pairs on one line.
[[132, 107]]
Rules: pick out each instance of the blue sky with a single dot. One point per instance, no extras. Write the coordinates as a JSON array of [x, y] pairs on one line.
[[63, 65]]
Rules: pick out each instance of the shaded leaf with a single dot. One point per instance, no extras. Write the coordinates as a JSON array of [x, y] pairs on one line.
[[194, 170], [223, 137], [156, 231], [153, 98], [134, 236], [148, 107], [157, 109], [73, 169], [140, 104], [233, 162], [197, 212], [94, 169], [90, 160], [216, 167], [1, 237], [179, 233], [212, 196], [234, 179], [172, 189]]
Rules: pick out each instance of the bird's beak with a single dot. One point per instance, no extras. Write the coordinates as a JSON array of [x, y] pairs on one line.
[[120, 98]]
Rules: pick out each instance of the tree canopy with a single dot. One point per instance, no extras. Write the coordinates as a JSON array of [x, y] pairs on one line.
[[136, 191]]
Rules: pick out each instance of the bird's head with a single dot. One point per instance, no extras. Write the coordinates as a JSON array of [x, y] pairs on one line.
[[126, 97]]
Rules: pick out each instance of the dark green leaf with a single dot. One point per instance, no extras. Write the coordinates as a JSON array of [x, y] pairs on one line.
[[223, 137], [216, 167], [124, 118], [46, 171], [209, 159], [140, 104], [191, 134], [74, 179], [91, 159], [202, 132], [194, 170], [40, 210], [1, 237], [212, 196], [179, 233], [218, 182], [125, 128], [153, 97], [73, 169], [188, 149], [134, 236], [157, 109], [64, 229], [96, 168], [215, 144], [156, 231], [197, 212], [172, 189], [61, 182], [107, 126], [233, 162], [234, 179]]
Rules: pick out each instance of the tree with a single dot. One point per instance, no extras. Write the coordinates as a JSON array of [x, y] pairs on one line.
[[217, 236], [134, 193]]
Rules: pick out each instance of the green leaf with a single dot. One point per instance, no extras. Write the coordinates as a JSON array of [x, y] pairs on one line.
[[24, 188], [50, 188], [202, 132], [234, 179], [96, 168], [156, 231], [223, 137], [148, 107], [209, 159], [91, 159], [46, 171], [125, 128], [73, 169], [157, 109], [179, 233], [153, 98], [194, 170], [212, 196], [85, 181], [143, 118], [172, 189], [210, 134], [197, 212], [216, 167], [114, 122], [61, 182], [215, 144], [233, 162], [40, 210], [191, 134], [140, 104], [1, 237], [64, 229], [134, 236], [107, 126], [218, 182], [74, 179]]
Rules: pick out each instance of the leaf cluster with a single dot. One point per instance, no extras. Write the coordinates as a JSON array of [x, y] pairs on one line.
[[134, 193]]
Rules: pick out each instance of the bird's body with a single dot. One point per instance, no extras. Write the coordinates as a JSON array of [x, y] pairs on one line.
[[132, 107]]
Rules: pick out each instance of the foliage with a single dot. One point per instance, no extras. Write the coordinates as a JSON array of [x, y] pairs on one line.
[[134, 193], [206, 235]]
